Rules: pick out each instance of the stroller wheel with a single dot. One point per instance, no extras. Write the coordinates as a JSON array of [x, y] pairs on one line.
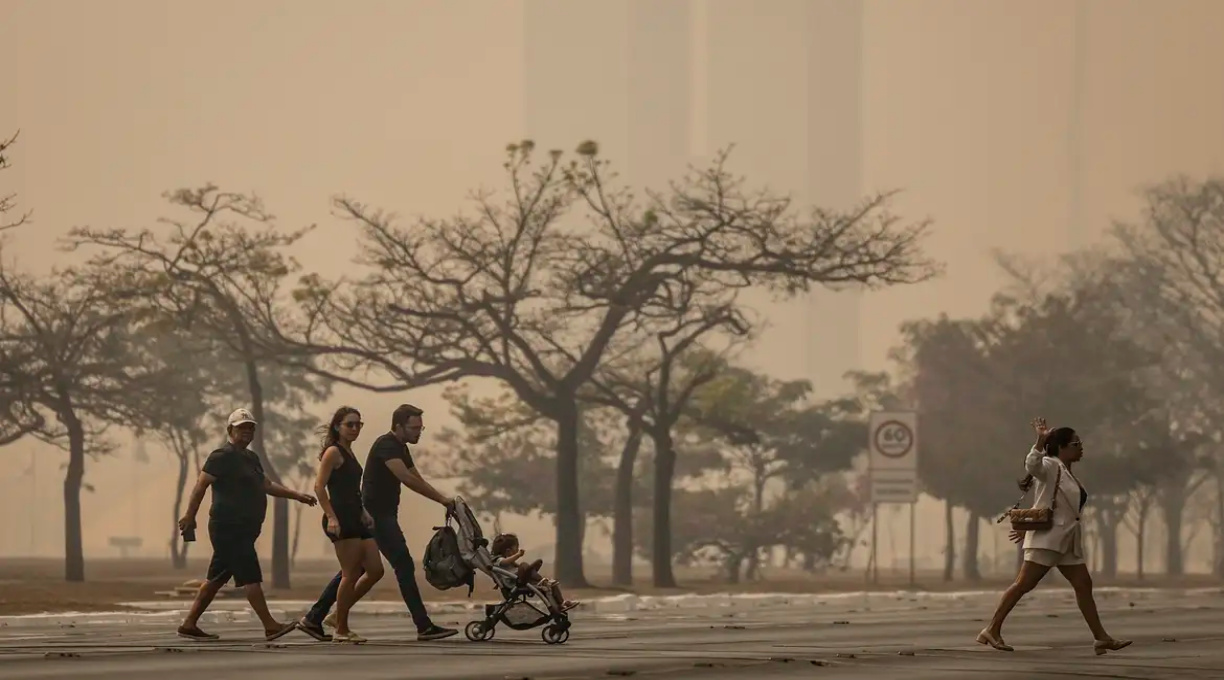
[[476, 631], [554, 635]]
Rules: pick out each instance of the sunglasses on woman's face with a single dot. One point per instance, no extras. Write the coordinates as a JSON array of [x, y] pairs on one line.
[[356, 425]]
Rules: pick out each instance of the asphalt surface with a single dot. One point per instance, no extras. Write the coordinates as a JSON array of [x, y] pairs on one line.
[[1177, 635]]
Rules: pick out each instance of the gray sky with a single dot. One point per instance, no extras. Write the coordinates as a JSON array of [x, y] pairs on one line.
[[965, 104]]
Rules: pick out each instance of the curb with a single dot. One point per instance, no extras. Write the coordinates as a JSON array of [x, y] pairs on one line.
[[237, 611]]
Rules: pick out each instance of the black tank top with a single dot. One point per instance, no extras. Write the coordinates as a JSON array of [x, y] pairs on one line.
[[344, 484]]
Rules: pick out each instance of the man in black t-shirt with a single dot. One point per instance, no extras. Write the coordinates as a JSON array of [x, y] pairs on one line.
[[388, 466], [240, 501]]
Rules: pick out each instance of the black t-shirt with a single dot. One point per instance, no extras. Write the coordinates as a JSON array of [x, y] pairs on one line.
[[238, 493], [380, 488]]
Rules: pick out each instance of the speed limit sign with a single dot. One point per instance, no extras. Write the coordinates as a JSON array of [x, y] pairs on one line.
[[893, 440]]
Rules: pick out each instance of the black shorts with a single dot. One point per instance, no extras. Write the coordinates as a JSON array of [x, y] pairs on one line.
[[234, 554], [350, 525]]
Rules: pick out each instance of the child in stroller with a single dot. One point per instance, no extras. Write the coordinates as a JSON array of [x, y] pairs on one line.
[[506, 554], [525, 604]]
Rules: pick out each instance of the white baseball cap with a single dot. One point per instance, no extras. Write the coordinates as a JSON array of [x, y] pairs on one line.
[[240, 417]]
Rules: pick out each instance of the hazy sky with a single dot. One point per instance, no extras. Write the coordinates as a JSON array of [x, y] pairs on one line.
[[964, 104]]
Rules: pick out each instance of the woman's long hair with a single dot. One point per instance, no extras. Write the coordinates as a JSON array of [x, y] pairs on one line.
[[331, 431], [1058, 438]]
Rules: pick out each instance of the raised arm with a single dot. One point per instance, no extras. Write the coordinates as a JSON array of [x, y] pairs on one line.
[[1035, 461], [412, 479]]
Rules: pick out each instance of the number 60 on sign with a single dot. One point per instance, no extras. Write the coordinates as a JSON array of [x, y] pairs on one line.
[[893, 441]]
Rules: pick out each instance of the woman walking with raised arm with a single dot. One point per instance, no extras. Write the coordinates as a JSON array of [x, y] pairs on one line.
[[345, 521], [1058, 540]]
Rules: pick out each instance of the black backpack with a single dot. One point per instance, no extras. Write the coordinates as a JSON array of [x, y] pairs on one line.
[[444, 565]]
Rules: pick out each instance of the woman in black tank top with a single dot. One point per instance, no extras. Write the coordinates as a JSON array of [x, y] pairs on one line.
[[344, 492], [345, 522]]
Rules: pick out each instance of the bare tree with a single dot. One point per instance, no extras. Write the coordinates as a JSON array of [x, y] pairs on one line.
[[220, 273], [8, 202], [1175, 257], [1178, 245], [518, 293], [652, 386], [81, 371]]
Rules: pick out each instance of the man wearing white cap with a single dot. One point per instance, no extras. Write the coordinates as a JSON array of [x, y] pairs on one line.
[[239, 505]]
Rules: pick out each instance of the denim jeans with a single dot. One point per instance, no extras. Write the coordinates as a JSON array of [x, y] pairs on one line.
[[391, 543]]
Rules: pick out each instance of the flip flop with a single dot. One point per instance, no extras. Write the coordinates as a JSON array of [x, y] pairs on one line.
[[280, 632]]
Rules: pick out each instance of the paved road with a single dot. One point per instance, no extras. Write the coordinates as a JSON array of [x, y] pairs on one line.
[[1176, 636]]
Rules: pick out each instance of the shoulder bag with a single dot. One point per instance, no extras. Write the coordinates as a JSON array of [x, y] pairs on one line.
[[1033, 519]]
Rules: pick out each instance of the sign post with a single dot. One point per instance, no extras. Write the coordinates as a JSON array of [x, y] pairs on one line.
[[892, 442]]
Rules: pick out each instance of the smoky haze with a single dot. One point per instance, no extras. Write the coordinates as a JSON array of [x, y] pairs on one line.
[[1009, 124]]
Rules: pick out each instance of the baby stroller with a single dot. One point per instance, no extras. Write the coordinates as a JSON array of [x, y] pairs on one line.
[[524, 605]]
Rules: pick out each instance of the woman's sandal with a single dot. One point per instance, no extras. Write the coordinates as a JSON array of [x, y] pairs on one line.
[[986, 638], [348, 638], [1110, 645]]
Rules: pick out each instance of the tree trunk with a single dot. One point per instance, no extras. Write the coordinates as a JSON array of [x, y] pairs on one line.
[[752, 571], [1140, 531], [280, 506], [569, 512], [758, 491], [809, 562], [661, 543], [970, 558], [622, 512], [732, 566], [1218, 553], [1108, 532], [178, 548], [1107, 518], [74, 478], [1172, 506], [950, 540]]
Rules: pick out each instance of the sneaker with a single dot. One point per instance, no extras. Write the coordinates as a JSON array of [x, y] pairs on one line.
[[194, 633], [435, 633], [314, 630]]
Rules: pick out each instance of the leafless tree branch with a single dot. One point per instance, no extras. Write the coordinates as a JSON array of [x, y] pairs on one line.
[[8, 202], [518, 291]]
